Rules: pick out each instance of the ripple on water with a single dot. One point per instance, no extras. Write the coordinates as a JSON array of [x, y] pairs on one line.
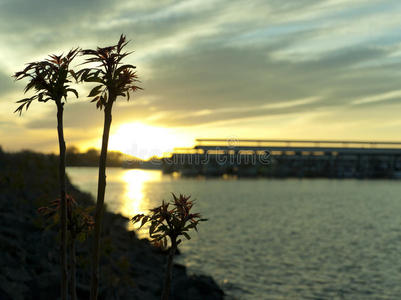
[[285, 239]]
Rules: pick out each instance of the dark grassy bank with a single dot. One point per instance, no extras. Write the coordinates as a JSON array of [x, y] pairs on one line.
[[29, 260]]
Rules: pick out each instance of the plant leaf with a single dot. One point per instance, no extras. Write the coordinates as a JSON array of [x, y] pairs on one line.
[[186, 235], [95, 91]]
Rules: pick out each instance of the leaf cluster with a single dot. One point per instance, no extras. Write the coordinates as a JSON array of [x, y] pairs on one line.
[[112, 77], [80, 222], [49, 79], [171, 219]]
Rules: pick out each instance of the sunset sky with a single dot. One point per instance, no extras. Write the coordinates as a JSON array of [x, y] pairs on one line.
[[301, 69]]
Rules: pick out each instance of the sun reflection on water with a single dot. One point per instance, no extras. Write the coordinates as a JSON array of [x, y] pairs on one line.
[[135, 200]]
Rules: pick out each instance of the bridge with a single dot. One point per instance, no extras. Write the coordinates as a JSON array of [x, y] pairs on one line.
[[287, 158]]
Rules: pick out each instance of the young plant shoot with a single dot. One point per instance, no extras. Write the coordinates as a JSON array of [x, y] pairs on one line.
[[49, 79], [170, 220], [113, 79]]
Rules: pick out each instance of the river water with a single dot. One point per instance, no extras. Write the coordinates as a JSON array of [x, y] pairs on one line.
[[277, 239]]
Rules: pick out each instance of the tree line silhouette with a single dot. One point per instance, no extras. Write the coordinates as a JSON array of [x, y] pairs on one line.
[[90, 158]]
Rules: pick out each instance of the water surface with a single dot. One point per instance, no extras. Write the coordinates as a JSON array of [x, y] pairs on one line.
[[278, 239]]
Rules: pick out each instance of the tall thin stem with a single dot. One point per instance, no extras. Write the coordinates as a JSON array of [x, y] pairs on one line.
[[63, 204], [169, 270], [73, 269], [100, 199]]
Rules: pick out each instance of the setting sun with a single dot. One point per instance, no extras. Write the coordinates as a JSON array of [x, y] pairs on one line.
[[144, 141]]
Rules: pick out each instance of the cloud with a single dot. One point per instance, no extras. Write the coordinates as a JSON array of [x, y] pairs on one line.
[[202, 62], [235, 83], [379, 98], [6, 83], [207, 77]]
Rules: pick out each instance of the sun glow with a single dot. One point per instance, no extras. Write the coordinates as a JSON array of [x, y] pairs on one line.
[[144, 141]]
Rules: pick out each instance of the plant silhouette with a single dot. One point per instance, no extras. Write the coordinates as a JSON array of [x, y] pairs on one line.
[[171, 223], [113, 79], [49, 79], [79, 224]]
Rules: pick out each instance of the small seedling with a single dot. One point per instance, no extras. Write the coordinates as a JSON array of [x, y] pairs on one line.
[[171, 223]]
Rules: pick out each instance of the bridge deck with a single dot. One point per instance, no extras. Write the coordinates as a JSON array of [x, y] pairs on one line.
[[299, 146], [331, 159], [260, 142], [384, 151]]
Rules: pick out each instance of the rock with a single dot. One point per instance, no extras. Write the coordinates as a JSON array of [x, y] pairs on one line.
[[196, 287], [46, 285], [16, 274], [14, 290]]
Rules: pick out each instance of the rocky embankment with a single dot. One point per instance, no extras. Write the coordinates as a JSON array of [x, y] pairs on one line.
[[29, 257]]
